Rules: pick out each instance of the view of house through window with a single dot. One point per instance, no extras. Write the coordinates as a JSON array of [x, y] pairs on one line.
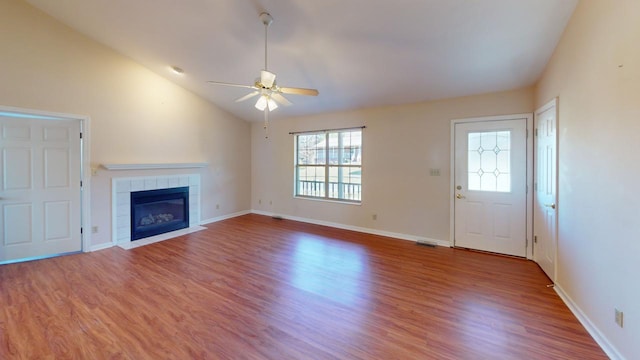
[[329, 165]]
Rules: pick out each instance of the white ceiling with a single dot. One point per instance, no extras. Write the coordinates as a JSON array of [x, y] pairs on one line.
[[357, 53]]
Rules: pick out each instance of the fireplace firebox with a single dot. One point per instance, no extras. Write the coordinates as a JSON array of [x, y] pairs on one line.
[[156, 212]]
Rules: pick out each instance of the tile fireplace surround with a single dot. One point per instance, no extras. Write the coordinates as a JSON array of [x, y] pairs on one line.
[[121, 211]]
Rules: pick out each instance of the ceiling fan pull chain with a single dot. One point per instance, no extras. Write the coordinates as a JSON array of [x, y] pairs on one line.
[[266, 123]]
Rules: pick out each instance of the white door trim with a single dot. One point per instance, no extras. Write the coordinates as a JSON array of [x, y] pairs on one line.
[[85, 156], [529, 120]]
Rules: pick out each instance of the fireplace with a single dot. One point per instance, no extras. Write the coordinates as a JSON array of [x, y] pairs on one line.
[[156, 212]]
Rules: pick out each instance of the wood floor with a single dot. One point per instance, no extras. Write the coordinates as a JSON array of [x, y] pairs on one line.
[[257, 288]]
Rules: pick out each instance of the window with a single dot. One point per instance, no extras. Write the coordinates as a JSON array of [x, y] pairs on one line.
[[329, 165]]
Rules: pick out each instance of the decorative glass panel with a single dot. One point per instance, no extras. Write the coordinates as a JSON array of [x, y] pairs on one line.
[[489, 161]]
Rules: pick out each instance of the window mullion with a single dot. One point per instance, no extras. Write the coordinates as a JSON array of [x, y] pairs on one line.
[[297, 165], [326, 166], [340, 154]]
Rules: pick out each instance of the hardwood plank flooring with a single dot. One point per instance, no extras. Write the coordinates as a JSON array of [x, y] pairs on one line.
[[253, 287]]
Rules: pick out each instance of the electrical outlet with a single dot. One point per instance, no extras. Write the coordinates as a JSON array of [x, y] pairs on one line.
[[270, 202], [374, 216], [94, 229], [217, 206], [260, 201], [619, 317]]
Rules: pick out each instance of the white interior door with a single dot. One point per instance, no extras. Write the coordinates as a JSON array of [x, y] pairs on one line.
[[40, 193], [545, 208], [490, 180]]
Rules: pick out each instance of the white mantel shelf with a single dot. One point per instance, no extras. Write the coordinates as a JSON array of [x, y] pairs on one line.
[[154, 166]]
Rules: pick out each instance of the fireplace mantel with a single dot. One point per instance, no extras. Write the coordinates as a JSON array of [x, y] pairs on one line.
[[154, 166]]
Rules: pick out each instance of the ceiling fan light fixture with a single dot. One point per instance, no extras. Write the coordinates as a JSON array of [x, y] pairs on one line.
[[266, 102], [261, 104], [272, 105]]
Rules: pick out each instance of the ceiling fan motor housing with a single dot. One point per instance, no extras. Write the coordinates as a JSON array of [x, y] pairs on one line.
[[266, 18]]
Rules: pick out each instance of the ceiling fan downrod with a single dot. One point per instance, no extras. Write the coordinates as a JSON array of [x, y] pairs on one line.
[[266, 19]]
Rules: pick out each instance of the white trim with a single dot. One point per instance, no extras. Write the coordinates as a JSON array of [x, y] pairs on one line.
[[154, 166], [395, 235], [102, 246], [530, 189], [85, 155], [85, 123], [224, 217], [597, 335], [529, 202], [551, 103], [329, 200]]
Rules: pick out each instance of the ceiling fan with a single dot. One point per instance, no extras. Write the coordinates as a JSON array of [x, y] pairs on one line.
[[270, 94]]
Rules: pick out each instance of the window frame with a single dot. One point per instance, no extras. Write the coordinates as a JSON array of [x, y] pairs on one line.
[[327, 166]]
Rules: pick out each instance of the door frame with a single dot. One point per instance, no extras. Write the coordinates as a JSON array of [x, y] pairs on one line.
[[85, 160], [529, 176]]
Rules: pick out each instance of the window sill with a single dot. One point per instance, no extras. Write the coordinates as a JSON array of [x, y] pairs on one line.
[[359, 203]]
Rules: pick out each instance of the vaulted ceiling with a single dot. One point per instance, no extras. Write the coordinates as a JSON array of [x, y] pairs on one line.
[[357, 53]]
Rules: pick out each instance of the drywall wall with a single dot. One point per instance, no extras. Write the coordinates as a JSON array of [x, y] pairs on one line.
[[400, 145], [595, 73], [136, 116]]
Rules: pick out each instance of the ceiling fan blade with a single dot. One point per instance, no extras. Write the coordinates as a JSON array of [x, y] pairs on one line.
[[248, 96], [280, 99], [299, 91], [267, 78], [230, 84]]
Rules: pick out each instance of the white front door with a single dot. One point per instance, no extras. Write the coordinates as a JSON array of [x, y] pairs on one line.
[[544, 216], [490, 184], [40, 191]]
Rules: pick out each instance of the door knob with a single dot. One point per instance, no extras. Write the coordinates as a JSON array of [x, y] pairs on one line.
[[459, 196], [553, 206]]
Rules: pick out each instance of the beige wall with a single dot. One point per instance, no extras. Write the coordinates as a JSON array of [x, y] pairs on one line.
[[595, 72], [136, 116], [400, 145], [47, 66]]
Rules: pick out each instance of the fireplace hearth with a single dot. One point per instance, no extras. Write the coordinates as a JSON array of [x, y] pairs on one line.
[[160, 211]]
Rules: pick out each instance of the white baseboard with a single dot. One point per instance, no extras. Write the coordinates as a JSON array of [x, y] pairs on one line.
[[102, 246], [597, 335], [358, 229], [224, 217]]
